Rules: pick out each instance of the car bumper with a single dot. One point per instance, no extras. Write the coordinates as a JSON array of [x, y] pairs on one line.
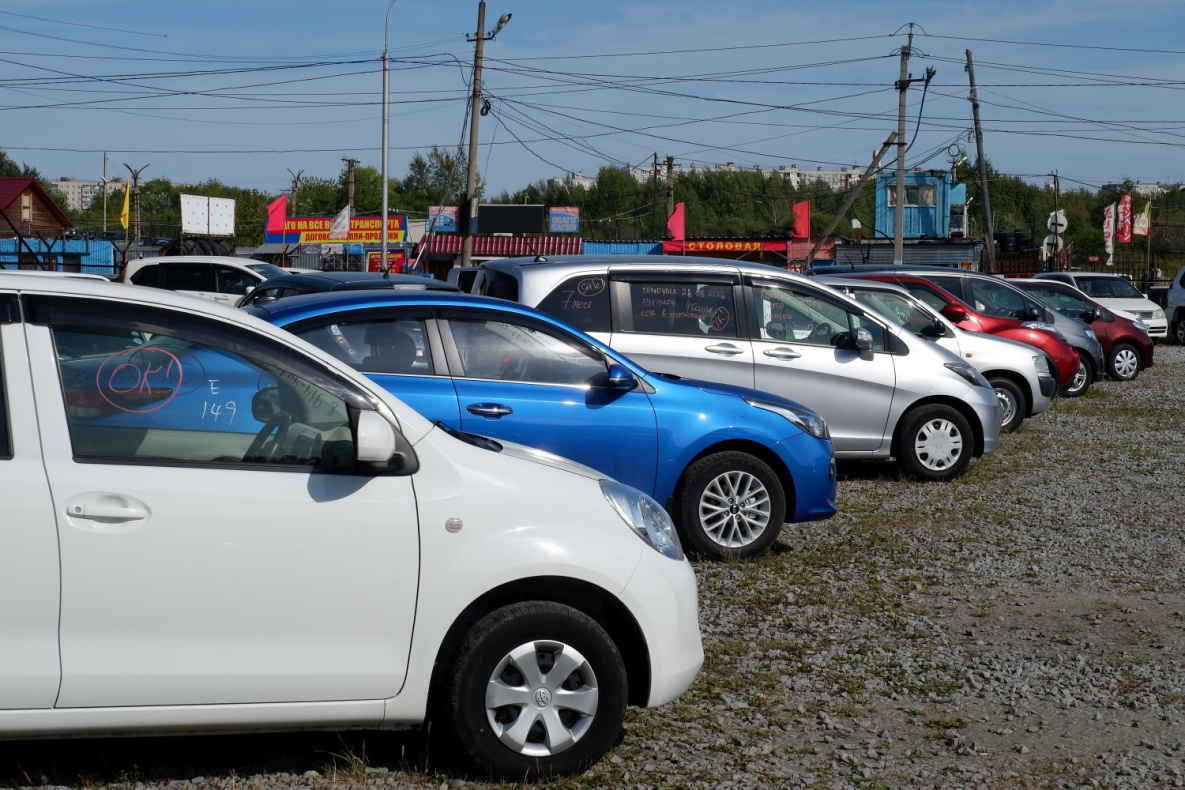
[[661, 595], [812, 465], [1048, 385], [987, 409]]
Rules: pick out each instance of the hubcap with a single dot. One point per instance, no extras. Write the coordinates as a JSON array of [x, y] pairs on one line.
[[938, 444], [541, 698], [734, 509], [1079, 382], [1007, 406], [1126, 364]]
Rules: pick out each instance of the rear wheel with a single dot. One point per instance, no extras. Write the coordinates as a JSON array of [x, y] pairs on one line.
[[934, 443], [539, 689], [1082, 379], [1179, 330], [730, 504], [1123, 364], [1013, 403]]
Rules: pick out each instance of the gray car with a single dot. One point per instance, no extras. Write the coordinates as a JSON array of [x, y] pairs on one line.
[[884, 392]]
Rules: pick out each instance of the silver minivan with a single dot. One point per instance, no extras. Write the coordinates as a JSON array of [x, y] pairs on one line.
[[884, 392]]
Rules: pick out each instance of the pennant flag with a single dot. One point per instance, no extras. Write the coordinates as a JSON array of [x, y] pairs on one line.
[[1109, 233], [676, 225], [802, 220], [339, 229], [1143, 221], [1123, 234], [277, 211], [123, 214]]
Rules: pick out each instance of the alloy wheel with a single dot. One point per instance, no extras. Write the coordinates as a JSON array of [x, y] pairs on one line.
[[734, 509]]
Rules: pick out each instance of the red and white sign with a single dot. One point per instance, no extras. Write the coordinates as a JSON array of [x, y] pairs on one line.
[[1124, 233]]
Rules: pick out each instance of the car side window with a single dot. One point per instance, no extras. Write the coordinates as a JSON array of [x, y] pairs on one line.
[[232, 281], [683, 308], [148, 275], [149, 386], [386, 346], [505, 351], [582, 302], [925, 294], [187, 277], [799, 316], [5, 442], [998, 300], [1064, 303]]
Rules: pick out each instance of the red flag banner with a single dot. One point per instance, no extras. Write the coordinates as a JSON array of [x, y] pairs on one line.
[[277, 210], [676, 223], [1123, 233], [802, 220]]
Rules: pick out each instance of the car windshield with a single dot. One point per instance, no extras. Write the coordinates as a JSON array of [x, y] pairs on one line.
[[266, 269], [1108, 287], [897, 308]]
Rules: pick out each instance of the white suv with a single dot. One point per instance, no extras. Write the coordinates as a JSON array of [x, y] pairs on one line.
[[1175, 305], [214, 277], [884, 392], [214, 525]]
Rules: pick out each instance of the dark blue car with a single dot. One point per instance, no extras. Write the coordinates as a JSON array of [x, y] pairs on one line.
[[730, 464]]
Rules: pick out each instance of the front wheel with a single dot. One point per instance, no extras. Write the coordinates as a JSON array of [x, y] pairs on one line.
[[539, 689], [1013, 403], [1124, 362], [934, 443], [1179, 331], [1082, 379], [729, 505]]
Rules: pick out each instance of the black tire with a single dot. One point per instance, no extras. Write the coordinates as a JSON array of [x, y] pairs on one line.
[[1123, 363], [1082, 379], [729, 505], [1014, 404], [498, 656], [1179, 331], [934, 443]]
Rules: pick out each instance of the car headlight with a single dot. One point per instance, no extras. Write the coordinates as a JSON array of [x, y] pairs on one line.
[[1041, 363], [645, 517], [804, 418], [971, 374], [1140, 325], [1090, 333], [1159, 315]]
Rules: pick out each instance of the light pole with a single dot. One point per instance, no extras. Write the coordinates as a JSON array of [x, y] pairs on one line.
[[386, 126], [474, 112]]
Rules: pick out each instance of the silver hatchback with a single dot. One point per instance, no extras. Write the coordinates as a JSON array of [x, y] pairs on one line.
[[884, 392]]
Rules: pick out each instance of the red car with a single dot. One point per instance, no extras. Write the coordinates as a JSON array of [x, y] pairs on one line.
[[1126, 348], [1062, 356]]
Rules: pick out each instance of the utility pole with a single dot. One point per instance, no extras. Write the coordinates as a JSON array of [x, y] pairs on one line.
[[670, 185], [475, 112], [291, 208], [350, 165], [104, 193], [135, 187], [989, 228], [1056, 197], [899, 209], [872, 168]]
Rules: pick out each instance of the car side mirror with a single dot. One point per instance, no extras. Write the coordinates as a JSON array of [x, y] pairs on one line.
[[1036, 314], [265, 404], [620, 377], [935, 329], [863, 342], [955, 312], [380, 448]]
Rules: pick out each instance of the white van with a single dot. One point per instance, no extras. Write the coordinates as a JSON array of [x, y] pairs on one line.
[[213, 525], [220, 278], [884, 392]]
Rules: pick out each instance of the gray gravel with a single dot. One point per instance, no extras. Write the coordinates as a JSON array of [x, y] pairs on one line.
[[1023, 626]]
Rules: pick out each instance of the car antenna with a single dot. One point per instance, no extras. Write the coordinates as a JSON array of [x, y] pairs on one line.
[[540, 259]]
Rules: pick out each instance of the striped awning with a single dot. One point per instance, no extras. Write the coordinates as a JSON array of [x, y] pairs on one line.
[[506, 246]]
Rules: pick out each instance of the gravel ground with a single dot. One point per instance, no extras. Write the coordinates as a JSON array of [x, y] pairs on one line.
[[1023, 626]]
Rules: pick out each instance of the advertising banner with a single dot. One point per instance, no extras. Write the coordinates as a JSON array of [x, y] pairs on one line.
[[1109, 233], [563, 219], [207, 216], [1123, 234], [315, 230], [442, 219], [395, 260]]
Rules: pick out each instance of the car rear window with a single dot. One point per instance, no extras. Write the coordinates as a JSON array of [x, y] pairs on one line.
[[499, 285], [581, 301]]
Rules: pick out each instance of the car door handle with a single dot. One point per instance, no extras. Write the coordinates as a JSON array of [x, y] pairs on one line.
[[489, 409], [105, 511], [724, 349], [782, 353]]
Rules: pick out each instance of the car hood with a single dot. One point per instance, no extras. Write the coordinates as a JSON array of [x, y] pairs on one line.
[[1128, 305], [523, 452], [718, 388]]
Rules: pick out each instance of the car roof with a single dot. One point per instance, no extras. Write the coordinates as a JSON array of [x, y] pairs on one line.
[[358, 280], [51, 273], [861, 283], [297, 308], [579, 262]]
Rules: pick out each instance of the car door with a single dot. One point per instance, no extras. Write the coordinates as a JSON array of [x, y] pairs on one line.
[[685, 323], [535, 383], [29, 583], [399, 348], [217, 544], [801, 353]]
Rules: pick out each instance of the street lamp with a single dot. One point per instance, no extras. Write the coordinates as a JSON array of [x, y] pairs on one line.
[[386, 125], [474, 112]]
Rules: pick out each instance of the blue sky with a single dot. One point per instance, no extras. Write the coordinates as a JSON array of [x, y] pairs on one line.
[[244, 92]]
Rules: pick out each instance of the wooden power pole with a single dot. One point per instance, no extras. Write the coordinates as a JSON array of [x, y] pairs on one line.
[[899, 193], [989, 230]]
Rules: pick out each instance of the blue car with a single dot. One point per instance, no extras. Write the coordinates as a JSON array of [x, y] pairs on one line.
[[729, 464]]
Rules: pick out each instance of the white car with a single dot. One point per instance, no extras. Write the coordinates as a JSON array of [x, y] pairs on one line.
[[1115, 293], [221, 278], [1021, 376], [212, 525]]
